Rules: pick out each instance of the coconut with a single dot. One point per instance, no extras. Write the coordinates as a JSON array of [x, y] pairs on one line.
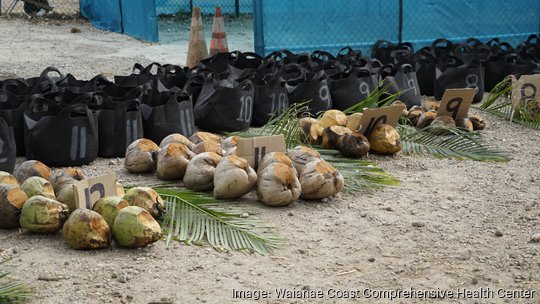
[[312, 129], [86, 230], [478, 122], [36, 185], [405, 112], [12, 199], [6, 178], [354, 122], [208, 146], [384, 139], [141, 156], [31, 168], [231, 151], [230, 142], [233, 178], [465, 124], [332, 135], [43, 215], [200, 171], [108, 207], [63, 177], [319, 180], [274, 158], [178, 139], [172, 161], [333, 118], [354, 145], [426, 119], [135, 227], [430, 105], [414, 115], [146, 198], [197, 137], [66, 195], [441, 124], [278, 185], [301, 155]]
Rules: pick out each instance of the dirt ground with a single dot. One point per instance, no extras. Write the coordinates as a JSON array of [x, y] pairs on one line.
[[451, 226]]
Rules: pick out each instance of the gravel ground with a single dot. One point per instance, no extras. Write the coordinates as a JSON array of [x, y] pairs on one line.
[[452, 224]]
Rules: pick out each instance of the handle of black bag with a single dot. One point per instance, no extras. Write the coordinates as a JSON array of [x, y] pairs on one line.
[[137, 69], [362, 72], [375, 63], [347, 48], [511, 57], [323, 56], [493, 42], [171, 69], [380, 43], [438, 42], [77, 108], [406, 68], [251, 56], [531, 38], [506, 47], [424, 55], [473, 42], [180, 96], [387, 70], [451, 60], [37, 101], [405, 46], [462, 48], [45, 74], [148, 69], [293, 67]]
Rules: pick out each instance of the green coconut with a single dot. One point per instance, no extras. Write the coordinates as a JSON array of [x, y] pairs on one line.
[[66, 195], [108, 207], [86, 229], [60, 178], [146, 198], [6, 178], [43, 215], [31, 168], [36, 185], [135, 227], [12, 199]]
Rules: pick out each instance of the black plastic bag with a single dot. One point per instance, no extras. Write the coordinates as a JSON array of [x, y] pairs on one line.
[[426, 64], [224, 105], [269, 100], [165, 113], [349, 57], [60, 136], [403, 54], [140, 75], [351, 87], [502, 65], [12, 110], [401, 79], [307, 87], [7, 147], [441, 48], [452, 73], [382, 51]]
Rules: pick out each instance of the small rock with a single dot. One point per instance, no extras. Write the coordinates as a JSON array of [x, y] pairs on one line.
[[66, 263], [418, 224], [75, 30], [244, 215], [306, 287], [474, 281], [528, 207], [326, 200], [15, 249], [290, 213], [123, 278], [112, 163], [302, 251], [114, 276], [498, 233], [129, 297], [535, 238], [388, 208], [371, 259], [363, 214]]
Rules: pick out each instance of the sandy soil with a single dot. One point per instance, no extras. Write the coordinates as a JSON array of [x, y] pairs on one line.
[[452, 225]]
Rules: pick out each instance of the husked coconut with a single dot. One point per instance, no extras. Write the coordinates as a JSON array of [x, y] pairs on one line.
[[414, 115], [319, 180], [141, 156], [6, 178], [332, 135], [441, 124], [354, 122], [178, 139], [36, 185], [108, 207], [120, 189], [172, 161], [31, 168], [62, 177], [354, 145], [146, 198], [426, 119], [12, 199], [478, 122], [231, 151], [333, 118], [208, 146], [274, 158], [312, 129], [200, 171], [278, 185], [197, 137], [233, 177], [430, 105], [405, 112], [465, 124], [230, 142], [86, 230], [301, 155], [384, 139], [43, 215], [135, 227]]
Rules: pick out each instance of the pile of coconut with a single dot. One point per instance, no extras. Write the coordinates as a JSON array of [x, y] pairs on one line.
[[336, 130], [42, 201], [426, 115], [207, 162]]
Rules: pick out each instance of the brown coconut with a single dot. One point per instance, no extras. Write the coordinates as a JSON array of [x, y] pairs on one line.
[[426, 119], [332, 135], [312, 130], [319, 179], [87, 230], [141, 156], [31, 168], [172, 161], [146, 198], [465, 124], [273, 158], [384, 139], [233, 178], [178, 139], [278, 185], [12, 199], [208, 146], [197, 137], [354, 145], [61, 177], [478, 122], [301, 155], [333, 118], [7, 178], [354, 122], [200, 171], [414, 115], [441, 124]]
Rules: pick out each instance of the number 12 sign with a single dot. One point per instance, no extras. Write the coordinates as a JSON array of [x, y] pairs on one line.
[[89, 191]]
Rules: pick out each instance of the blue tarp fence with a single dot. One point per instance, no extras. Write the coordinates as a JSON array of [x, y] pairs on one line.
[[307, 25]]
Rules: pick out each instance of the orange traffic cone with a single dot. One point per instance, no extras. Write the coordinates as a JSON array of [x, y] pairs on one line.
[[218, 44], [197, 44]]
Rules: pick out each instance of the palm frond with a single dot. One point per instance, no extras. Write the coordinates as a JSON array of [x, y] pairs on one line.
[[455, 144], [193, 217], [11, 290], [360, 175], [375, 100]]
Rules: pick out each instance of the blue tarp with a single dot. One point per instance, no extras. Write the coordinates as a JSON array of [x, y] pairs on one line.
[[306, 25], [169, 7], [104, 14]]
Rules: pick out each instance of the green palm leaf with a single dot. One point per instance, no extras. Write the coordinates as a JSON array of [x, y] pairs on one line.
[[456, 144], [193, 217], [12, 291]]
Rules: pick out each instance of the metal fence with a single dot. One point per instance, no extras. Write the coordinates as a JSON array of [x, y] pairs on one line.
[[231, 7], [57, 8]]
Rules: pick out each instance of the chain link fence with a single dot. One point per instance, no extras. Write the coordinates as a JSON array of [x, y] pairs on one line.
[[45, 8]]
